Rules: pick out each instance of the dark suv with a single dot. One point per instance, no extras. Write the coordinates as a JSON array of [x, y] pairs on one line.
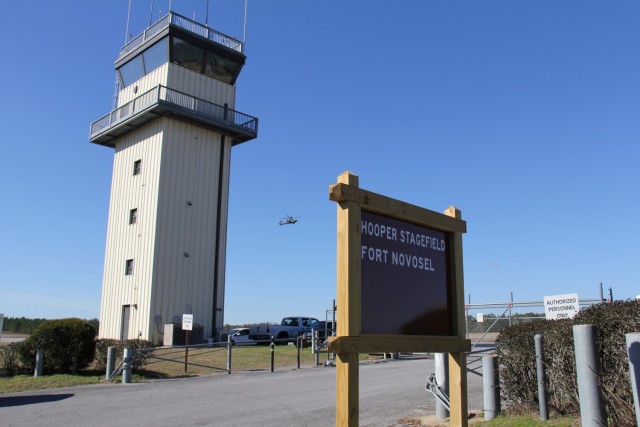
[[324, 328]]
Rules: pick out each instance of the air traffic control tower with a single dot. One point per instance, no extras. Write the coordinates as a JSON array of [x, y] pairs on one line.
[[172, 131]]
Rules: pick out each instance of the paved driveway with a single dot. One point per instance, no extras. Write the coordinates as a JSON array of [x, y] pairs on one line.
[[389, 391]]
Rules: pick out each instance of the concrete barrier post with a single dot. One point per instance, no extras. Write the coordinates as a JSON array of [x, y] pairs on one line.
[[315, 339], [273, 353], [542, 391], [442, 379], [229, 347], [37, 372], [588, 372], [111, 361], [490, 387], [633, 350], [126, 365]]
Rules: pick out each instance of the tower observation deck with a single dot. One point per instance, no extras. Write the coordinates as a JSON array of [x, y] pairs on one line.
[[178, 40]]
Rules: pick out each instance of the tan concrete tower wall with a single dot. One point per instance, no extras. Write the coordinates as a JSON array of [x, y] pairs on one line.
[[131, 241], [187, 242], [198, 85]]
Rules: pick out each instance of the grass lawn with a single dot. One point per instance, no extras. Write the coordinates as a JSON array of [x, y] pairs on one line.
[[28, 382], [530, 421], [169, 363]]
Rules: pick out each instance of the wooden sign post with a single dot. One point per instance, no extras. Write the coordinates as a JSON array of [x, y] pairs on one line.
[[407, 260]]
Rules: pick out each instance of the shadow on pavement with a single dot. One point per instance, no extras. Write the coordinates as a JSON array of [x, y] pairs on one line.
[[30, 400]]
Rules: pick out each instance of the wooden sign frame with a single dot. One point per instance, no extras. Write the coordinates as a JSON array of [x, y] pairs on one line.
[[349, 341]]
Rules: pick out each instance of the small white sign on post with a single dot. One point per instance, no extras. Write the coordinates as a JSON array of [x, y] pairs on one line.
[[480, 317], [187, 322], [561, 306]]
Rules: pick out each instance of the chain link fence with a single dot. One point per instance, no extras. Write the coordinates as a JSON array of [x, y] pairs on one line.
[[484, 322]]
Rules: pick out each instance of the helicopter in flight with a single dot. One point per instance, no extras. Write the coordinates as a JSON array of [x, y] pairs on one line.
[[288, 220]]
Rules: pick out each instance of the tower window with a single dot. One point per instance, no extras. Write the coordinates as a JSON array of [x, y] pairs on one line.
[[137, 167], [129, 268], [205, 61], [144, 63], [133, 216], [132, 71]]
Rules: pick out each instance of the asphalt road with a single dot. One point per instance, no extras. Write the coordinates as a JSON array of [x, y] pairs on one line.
[[389, 391]]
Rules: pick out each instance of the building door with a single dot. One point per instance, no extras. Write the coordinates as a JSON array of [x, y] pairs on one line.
[[124, 331]]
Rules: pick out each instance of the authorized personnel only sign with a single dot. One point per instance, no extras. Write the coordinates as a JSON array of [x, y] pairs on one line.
[[561, 306], [187, 322]]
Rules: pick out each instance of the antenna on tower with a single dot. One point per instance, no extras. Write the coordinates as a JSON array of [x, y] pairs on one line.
[[126, 31], [206, 18], [151, 14], [244, 27]]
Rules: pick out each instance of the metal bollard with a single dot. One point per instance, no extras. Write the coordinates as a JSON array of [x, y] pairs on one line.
[[633, 350], [229, 346], [542, 391], [299, 345], [490, 387], [588, 371], [442, 379], [316, 340], [39, 363], [111, 361], [273, 351], [126, 365]]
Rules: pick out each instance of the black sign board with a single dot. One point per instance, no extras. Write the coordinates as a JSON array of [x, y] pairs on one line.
[[404, 278]]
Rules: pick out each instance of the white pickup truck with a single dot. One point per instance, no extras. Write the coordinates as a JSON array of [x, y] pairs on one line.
[[289, 328]]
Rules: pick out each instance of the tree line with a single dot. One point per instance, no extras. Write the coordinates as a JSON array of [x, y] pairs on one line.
[[23, 325]]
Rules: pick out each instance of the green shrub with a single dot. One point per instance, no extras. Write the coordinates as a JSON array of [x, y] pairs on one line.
[[9, 359], [102, 347], [140, 357], [68, 345], [613, 322], [26, 356], [516, 351], [560, 367]]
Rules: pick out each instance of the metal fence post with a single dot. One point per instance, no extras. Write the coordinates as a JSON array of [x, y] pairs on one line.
[[442, 379], [39, 363], [315, 339], [490, 387], [542, 391], [273, 351], [126, 365], [299, 345], [510, 306], [466, 317], [229, 346], [111, 361], [588, 372], [633, 350]]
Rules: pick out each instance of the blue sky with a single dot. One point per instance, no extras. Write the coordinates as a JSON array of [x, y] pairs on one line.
[[523, 114]]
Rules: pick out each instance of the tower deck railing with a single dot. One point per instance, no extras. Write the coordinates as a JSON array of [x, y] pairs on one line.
[[175, 100], [185, 23]]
